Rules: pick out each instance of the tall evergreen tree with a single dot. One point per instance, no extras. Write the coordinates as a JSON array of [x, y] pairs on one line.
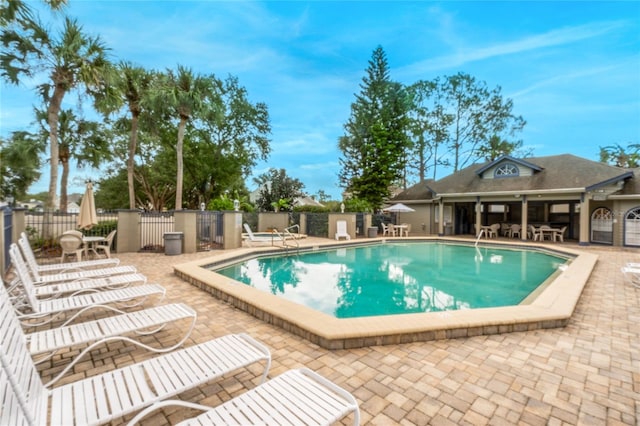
[[375, 139]]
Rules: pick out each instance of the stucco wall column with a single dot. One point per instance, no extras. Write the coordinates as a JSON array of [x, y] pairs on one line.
[[478, 216], [128, 236], [440, 218], [584, 220], [525, 219]]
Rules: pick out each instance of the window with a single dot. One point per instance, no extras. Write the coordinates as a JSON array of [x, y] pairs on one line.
[[506, 170]]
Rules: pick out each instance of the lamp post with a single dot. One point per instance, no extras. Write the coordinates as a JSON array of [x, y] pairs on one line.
[[341, 207], [236, 205]]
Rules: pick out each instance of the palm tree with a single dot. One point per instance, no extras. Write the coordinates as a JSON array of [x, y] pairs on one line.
[[131, 86], [74, 60], [186, 97]]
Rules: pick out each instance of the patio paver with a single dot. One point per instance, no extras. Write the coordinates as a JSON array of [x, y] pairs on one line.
[[585, 373]]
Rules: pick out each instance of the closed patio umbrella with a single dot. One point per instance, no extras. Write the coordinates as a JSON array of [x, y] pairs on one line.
[[88, 216]]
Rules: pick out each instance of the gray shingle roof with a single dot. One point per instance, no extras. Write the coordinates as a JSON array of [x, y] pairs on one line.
[[556, 172]]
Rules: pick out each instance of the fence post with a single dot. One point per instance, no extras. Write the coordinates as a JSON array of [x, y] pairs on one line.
[[128, 235], [232, 230], [303, 223], [186, 222], [19, 222]]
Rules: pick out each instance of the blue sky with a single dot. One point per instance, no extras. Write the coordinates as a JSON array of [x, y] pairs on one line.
[[571, 68]]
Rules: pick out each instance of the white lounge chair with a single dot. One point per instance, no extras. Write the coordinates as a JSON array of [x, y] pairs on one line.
[[79, 285], [341, 230], [40, 279], [296, 397], [249, 237], [53, 308], [30, 257], [45, 343], [113, 394]]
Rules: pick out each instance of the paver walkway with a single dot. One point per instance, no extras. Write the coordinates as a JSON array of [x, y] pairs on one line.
[[587, 373]]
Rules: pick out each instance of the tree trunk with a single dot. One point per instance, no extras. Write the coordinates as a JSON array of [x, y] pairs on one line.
[[181, 127], [133, 141], [52, 117], [64, 181]]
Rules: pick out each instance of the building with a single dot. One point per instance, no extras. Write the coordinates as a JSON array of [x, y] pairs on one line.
[[596, 202]]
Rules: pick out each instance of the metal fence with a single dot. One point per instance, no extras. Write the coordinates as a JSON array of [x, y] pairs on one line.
[[210, 230], [317, 224], [8, 229], [153, 226]]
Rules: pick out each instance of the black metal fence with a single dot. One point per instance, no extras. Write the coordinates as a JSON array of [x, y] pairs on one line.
[[210, 230], [317, 224], [8, 229], [153, 226]]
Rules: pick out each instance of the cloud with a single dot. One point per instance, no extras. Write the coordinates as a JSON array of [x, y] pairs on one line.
[[557, 37]]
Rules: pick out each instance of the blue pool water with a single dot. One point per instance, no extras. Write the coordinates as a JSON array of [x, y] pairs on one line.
[[398, 278]]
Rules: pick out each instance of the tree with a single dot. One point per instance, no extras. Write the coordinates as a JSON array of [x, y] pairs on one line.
[[478, 114], [73, 60], [78, 139], [277, 190], [131, 87], [497, 147], [20, 165], [187, 95], [618, 156], [375, 140], [429, 123]]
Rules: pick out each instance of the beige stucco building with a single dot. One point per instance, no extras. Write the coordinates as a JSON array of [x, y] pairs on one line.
[[596, 202]]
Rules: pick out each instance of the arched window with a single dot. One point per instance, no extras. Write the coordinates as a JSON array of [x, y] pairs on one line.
[[602, 226], [632, 227], [506, 170]]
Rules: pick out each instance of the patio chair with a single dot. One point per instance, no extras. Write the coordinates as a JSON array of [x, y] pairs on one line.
[[118, 392], [71, 246], [29, 256], [385, 229], [105, 246], [514, 230], [42, 345], [341, 230], [40, 279], [54, 308], [405, 228], [534, 233], [632, 275], [493, 230], [559, 234], [300, 397]]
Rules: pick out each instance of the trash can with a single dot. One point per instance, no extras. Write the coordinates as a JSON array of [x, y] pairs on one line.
[[372, 232], [173, 243]]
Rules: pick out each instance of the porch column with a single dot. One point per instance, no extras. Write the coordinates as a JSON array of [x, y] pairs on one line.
[[441, 219], [584, 220], [525, 219], [478, 216]]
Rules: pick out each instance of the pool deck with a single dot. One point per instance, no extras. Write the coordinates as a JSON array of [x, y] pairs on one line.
[[587, 372]]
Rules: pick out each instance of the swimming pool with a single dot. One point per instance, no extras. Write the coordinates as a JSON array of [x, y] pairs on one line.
[[551, 305], [399, 277]]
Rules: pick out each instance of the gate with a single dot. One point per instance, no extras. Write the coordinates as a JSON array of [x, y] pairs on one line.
[[210, 230], [153, 225]]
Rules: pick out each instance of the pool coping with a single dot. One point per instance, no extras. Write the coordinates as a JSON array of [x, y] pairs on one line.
[[551, 309]]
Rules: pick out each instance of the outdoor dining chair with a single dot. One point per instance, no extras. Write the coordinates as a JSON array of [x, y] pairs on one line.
[[71, 245]]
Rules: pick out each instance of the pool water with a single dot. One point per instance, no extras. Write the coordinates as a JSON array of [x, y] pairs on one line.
[[399, 278]]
